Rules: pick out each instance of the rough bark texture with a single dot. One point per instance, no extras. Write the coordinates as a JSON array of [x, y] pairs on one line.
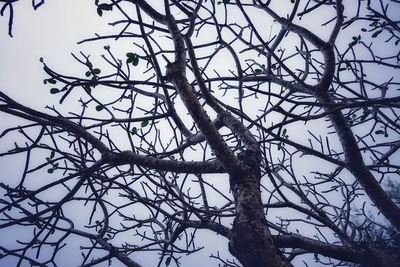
[[378, 258], [250, 239]]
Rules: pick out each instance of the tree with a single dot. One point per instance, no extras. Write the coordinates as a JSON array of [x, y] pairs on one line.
[[274, 125]]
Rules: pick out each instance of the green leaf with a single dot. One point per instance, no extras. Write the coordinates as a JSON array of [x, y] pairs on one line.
[[352, 43], [167, 261], [284, 132], [397, 42], [363, 29], [376, 33], [88, 73], [99, 107], [54, 91], [258, 71], [374, 23], [363, 117], [144, 123], [106, 7], [87, 88], [100, 12], [96, 71], [379, 132], [135, 61], [52, 154], [52, 81], [132, 58], [134, 130], [50, 170]]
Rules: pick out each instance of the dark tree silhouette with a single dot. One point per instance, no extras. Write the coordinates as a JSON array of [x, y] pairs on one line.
[[274, 124]]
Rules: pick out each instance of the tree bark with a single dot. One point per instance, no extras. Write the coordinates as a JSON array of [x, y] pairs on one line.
[[250, 240], [355, 163]]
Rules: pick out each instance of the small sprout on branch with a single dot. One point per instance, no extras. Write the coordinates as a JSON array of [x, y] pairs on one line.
[[284, 132], [52, 154], [366, 112], [51, 80], [103, 7], [356, 40], [382, 132], [316, 258]]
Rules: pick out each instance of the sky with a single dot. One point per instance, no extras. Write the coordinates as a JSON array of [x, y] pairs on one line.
[[52, 32]]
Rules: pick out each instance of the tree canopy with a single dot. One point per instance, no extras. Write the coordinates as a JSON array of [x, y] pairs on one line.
[[270, 125]]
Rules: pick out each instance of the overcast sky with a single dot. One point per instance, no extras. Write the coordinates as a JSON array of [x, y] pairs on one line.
[[52, 32]]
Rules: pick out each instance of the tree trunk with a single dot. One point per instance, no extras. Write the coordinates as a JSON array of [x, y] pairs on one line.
[[250, 239]]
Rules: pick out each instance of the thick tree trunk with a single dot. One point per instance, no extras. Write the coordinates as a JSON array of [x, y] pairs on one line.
[[378, 258], [250, 239]]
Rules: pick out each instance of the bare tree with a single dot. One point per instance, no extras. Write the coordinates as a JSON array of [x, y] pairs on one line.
[[274, 124]]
